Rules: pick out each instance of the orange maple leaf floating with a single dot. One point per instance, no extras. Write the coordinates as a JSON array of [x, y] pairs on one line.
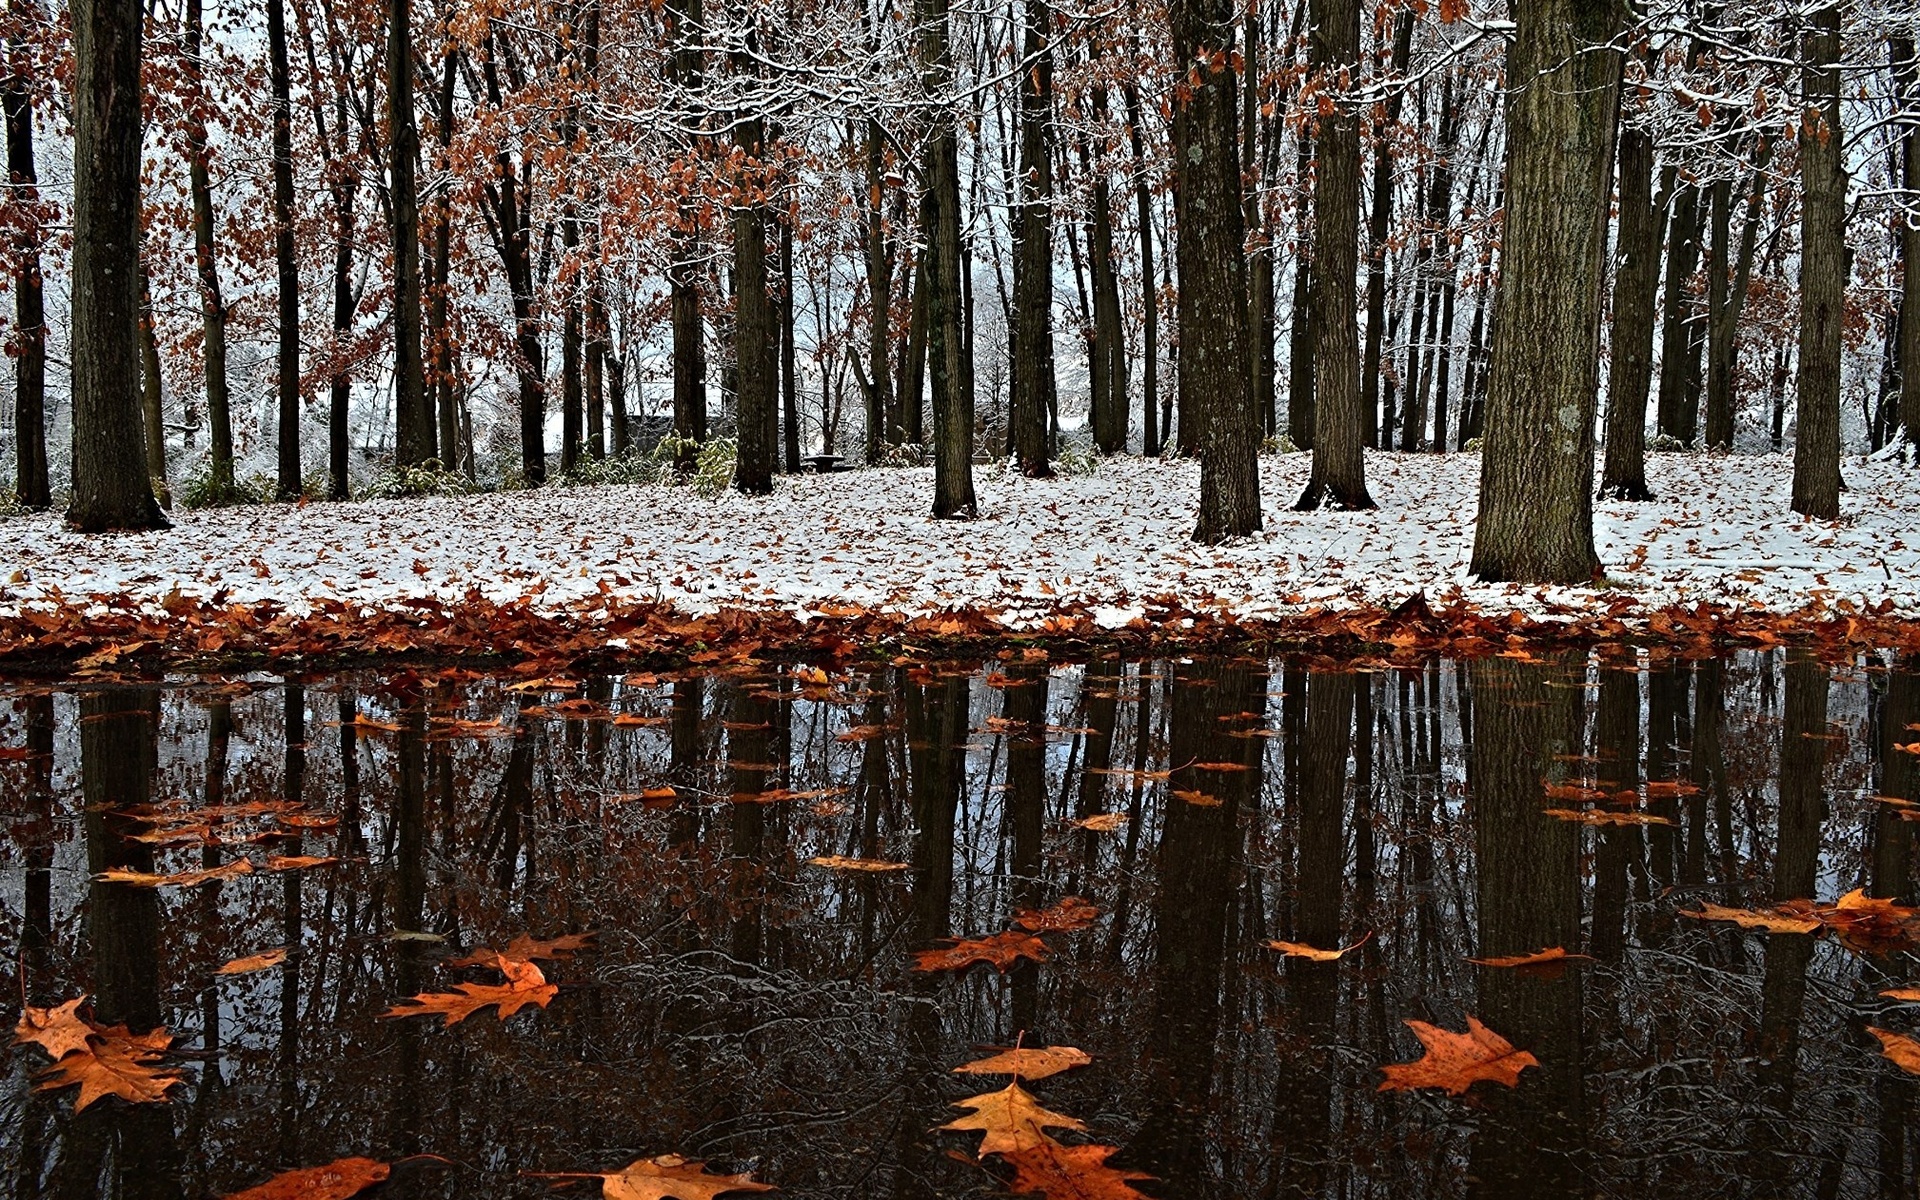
[[1025, 1063], [1910, 995], [253, 962], [665, 1177], [1862, 923], [1070, 915], [841, 862], [525, 949], [525, 985], [148, 879], [1457, 1061], [1771, 922], [1551, 961], [114, 1062], [337, 1180], [1010, 1120], [1001, 949], [59, 1030], [1060, 1172], [1111, 822], [1595, 816], [1903, 1051], [1314, 953]]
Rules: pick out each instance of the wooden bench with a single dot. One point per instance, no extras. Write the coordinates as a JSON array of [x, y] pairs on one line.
[[823, 464]]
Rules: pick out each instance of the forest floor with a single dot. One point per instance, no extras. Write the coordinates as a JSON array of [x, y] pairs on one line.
[[1096, 552]]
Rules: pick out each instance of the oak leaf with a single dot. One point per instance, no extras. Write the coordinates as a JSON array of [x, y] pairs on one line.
[[1910, 995], [665, 1177], [337, 1180], [1551, 961], [1026, 1063], [1457, 1061], [1604, 817], [1772, 922], [253, 962], [1000, 949], [1060, 1172], [114, 1063], [1314, 953], [524, 949], [842, 862], [1010, 1119], [1070, 915], [1903, 1051], [525, 985], [1111, 822], [147, 879], [59, 1030]]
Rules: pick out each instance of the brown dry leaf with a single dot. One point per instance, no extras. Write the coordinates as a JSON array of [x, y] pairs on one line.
[[524, 949], [1551, 957], [114, 1063], [1112, 822], [253, 962], [1870, 924], [1024, 1063], [59, 1030], [1602, 817], [666, 1177], [862, 733], [237, 867], [633, 720], [1011, 1120], [1672, 787], [337, 1180], [1070, 915], [1314, 953], [1457, 1061], [1772, 922], [298, 862], [1001, 949], [1220, 766], [1198, 799], [1060, 1172], [1901, 1049], [1908, 995], [1571, 791], [525, 985], [841, 862]]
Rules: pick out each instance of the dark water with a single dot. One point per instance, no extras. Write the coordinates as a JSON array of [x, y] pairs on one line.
[[750, 1009]]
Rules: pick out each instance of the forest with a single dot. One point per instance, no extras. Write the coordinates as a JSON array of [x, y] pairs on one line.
[[481, 245]]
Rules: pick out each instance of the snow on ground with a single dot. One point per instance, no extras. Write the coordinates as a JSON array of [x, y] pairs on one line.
[[1720, 531]]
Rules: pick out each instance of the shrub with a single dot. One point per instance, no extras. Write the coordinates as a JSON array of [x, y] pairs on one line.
[[430, 478], [201, 490], [1078, 458]]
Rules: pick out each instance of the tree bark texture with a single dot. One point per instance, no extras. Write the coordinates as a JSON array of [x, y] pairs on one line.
[[1823, 272], [413, 419], [1636, 285], [1033, 381], [287, 262]]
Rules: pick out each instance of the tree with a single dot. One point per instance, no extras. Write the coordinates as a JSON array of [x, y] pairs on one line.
[[29, 345], [1635, 286], [1906, 71], [412, 418], [111, 489], [1033, 382], [1823, 270], [685, 28], [1536, 470], [948, 350], [288, 362], [753, 325], [1338, 476]]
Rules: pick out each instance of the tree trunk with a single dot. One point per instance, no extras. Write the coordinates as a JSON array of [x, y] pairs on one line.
[[1379, 221], [572, 360], [684, 69], [913, 359], [110, 485], [1635, 286], [1300, 336], [439, 371], [755, 415], [153, 396], [789, 377], [883, 417], [1109, 330], [1210, 254], [1150, 431], [413, 421], [1906, 72], [1033, 381], [947, 345], [213, 309], [1683, 256], [1823, 272], [1338, 478], [28, 347], [287, 362], [1723, 316], [1536, 475], [339, 439]]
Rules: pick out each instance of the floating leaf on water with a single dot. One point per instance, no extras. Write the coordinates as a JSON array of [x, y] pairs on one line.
[[1027, 1063], [841, 862], [1772, 922], [254, 962], [1111, 822], [114, 1062], [1070, 915], [338, 1180], [1553, 959], [525, 986], [1901, 1050], [147, 879], [1001, 949], [1051, 1169], [1010, 1119], [59, 1030], [1314, 953], [1605, 817], [666, 1177], [1457, 1061]]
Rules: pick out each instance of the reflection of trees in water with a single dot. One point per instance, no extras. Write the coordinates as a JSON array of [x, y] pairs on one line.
[[747, 1008]]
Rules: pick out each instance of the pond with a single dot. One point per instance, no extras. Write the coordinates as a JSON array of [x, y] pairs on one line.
[[741, 1003]]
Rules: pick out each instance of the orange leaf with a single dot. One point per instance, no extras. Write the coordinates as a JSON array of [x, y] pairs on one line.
[[238, 866], [1772, 922], [525, 985], [337, 1180], [523, 949], [1011, 1120], [1028, 1064], [1457, 1061], [1071, 1173], [114, 1063], [253, 962], [1001, 949], [661, 1178], [1314, 953], [59, 1031], [1102, 822], [1903, 1050], [1909, 995], [1601, 817], [298, 862], [1071, 915], [841, 862], [1551, 961], [1198, 799]]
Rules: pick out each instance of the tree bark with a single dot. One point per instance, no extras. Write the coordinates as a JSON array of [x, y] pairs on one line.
[[413, 420], [1210, 255], [1300, 334], [1379, 221], [755, 415], [29, 342], [1906, 72], [1823, 272], [1723, 314], [1033, 381], [789, 366], [883, 417], [1150, 431], [213, 309], [153, 396], [111, 489], [1109, 401], [1536, 474], [1636, 284], [947, 345], [1683, 258], [287, 262], [1338, 477]]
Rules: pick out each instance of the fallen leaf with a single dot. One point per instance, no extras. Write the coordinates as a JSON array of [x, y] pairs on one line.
[[337, 1180], [1198, 799], [525, 949], [1772, 922], [1060, 1172], [841, 862], [114, 1063], [1604, 817], [1553, 958], [1070, 915], [253, 962], [237, 867], [1026, 1063], [666, 1177], [1000, 949], [525, 985], [1457, 1061], [1314, 953], [1103, 822], [1910, 995], [298, 862], [1011, 1120], [1901, 1049], [1870, 924], [59, 1030]]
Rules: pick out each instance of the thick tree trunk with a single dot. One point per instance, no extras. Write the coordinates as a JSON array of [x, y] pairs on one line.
[[1723, 328], [1536, 475], [1210, 254], [110, 485], [1823, 272], [287, 363], [752, 327], [1109, 403], [213, 309], [1379, 221], [1338, 478], [413, 420], [28, 347], [1683, 257], [1635, 286], [572, 363], [948, 347], [1033, 381]]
